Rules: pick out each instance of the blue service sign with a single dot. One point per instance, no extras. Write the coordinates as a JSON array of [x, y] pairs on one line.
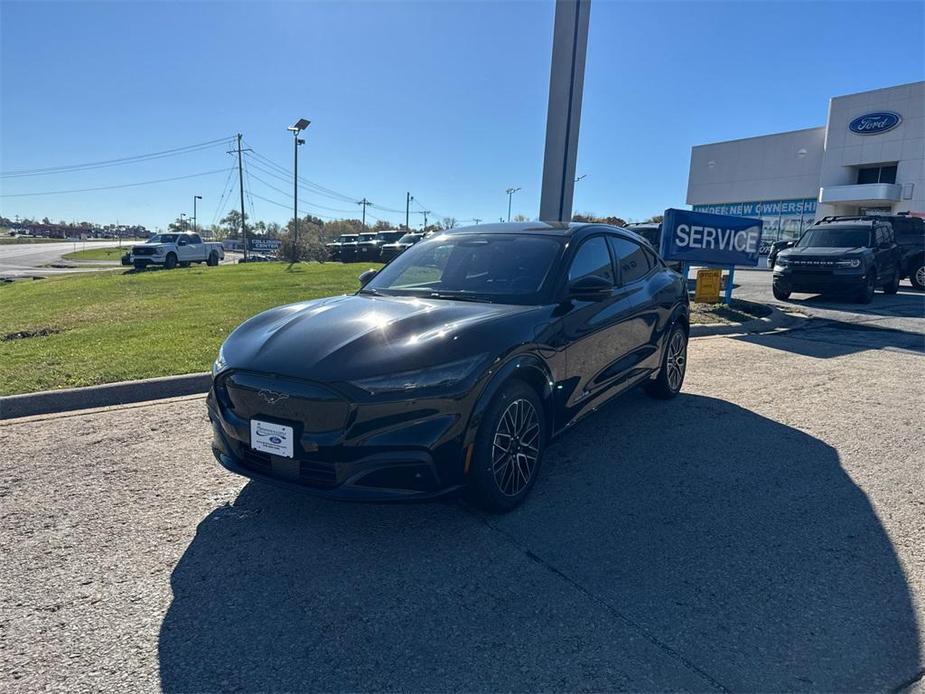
[[711, 239], [875, 123]]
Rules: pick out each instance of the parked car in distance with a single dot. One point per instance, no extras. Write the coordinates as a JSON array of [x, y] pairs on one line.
[[396, 248], [851, 256], [452, 367], [368, 247], [909, 232], [383, 238], [172, 249], [776, 247], [347, 251]]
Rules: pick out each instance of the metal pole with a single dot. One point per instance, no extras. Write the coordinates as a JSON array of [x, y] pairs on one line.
[[194, 213], [510, 194], [295, 196], [241, 185], [566, 83], [407, 209]]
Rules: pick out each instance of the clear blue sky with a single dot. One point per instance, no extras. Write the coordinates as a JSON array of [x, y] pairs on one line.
[[447, 100]]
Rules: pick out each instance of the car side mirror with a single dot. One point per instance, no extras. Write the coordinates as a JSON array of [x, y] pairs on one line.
[[365, 277], [589, 286], [790, 244]]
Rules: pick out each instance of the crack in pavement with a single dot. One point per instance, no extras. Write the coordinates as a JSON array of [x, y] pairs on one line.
[[612, 609]]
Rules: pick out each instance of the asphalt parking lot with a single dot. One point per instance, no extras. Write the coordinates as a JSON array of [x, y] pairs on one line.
[[763, 531]]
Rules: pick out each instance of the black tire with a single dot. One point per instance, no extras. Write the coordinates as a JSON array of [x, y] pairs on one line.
[[171, 262], [893, 285], [917, 273], [674, 365], [779, 294], [140, 265], [866, 294], [213, 259], [501, 478]]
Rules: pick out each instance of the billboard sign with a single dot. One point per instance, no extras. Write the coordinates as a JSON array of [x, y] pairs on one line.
[[271, 245], [710, 239]]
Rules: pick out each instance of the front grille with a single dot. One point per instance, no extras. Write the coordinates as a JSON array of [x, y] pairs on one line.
[[141, 250], [310, 407], [310, 472]]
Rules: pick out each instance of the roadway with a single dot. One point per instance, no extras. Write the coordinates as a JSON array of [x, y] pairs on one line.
[[33, 259], [761, 532]]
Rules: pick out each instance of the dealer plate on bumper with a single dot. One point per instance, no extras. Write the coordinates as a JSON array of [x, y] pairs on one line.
[[271, 438]]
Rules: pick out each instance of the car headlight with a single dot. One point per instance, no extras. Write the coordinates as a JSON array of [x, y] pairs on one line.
[[781, 261], [219, 364], [430, 377], [853, 262]]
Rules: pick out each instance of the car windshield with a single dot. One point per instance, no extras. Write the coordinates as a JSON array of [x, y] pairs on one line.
[[486, 267], [389, 236], [851, 237], [349, 239], [409, 238], [367, 237], [163, 238]]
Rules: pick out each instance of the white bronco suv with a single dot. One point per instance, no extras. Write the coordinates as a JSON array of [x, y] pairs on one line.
[[172, 249]]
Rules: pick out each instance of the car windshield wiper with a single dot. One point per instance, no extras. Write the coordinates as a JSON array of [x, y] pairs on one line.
[[460, 296], [370, 291]]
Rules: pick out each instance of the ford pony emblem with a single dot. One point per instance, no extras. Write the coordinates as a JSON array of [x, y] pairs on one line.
[[271, 397], [875, 123]]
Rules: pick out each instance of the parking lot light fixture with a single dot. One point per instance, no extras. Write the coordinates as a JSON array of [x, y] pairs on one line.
[[510, 192], [295, 129], [195, 198]]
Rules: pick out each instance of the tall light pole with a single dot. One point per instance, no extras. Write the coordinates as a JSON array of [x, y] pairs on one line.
[[295, 129], [195, 198], [510, 193], [182, 215], [563, 116]]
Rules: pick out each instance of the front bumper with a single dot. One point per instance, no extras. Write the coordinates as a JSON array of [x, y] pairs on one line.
[[383, 453], [820, 281]]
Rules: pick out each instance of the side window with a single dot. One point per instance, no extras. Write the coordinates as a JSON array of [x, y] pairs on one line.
[[194, 238], [879, 236], [592, 258], [632, 259]]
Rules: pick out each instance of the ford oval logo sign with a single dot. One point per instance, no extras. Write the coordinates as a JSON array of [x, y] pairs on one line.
[[875, 123]]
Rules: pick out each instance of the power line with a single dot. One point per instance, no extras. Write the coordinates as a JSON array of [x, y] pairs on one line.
[[123, 185], [73, 168]]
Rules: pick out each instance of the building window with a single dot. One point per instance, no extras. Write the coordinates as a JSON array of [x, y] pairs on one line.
[[877, 174]]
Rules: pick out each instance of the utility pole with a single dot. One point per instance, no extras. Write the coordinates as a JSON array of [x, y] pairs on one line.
[[425, 213], [241, 185], [364, 202], [408, 199], [195, 198], [476, 220], [510, 193]]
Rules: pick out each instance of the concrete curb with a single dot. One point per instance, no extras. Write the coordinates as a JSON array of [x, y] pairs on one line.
[[776, 319], [65, 400]]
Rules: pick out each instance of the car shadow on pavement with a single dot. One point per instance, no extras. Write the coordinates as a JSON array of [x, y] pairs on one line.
[[823, 338], [688, 545], [907, 303]]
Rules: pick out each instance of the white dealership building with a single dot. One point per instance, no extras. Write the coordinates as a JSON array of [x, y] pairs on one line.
[[869, 157]]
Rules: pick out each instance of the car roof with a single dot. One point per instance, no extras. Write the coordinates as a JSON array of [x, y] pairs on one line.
[[554, 228], [844, 223]]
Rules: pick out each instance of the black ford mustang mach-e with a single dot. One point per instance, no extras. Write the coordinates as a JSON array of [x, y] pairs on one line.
[[452, 367]]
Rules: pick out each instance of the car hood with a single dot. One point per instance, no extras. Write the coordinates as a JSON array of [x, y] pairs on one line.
[[358, 336], [820, 252]]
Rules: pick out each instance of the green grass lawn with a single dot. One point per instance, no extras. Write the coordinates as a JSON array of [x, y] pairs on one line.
[[8, 240], [105, 327], [97, 254]]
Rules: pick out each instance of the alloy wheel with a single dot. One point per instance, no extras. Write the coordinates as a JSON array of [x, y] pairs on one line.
[[676, 360], [515, 447], [920, 275]]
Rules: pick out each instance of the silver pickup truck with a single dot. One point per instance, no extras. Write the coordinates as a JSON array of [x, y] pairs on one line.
[[172, 249]]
